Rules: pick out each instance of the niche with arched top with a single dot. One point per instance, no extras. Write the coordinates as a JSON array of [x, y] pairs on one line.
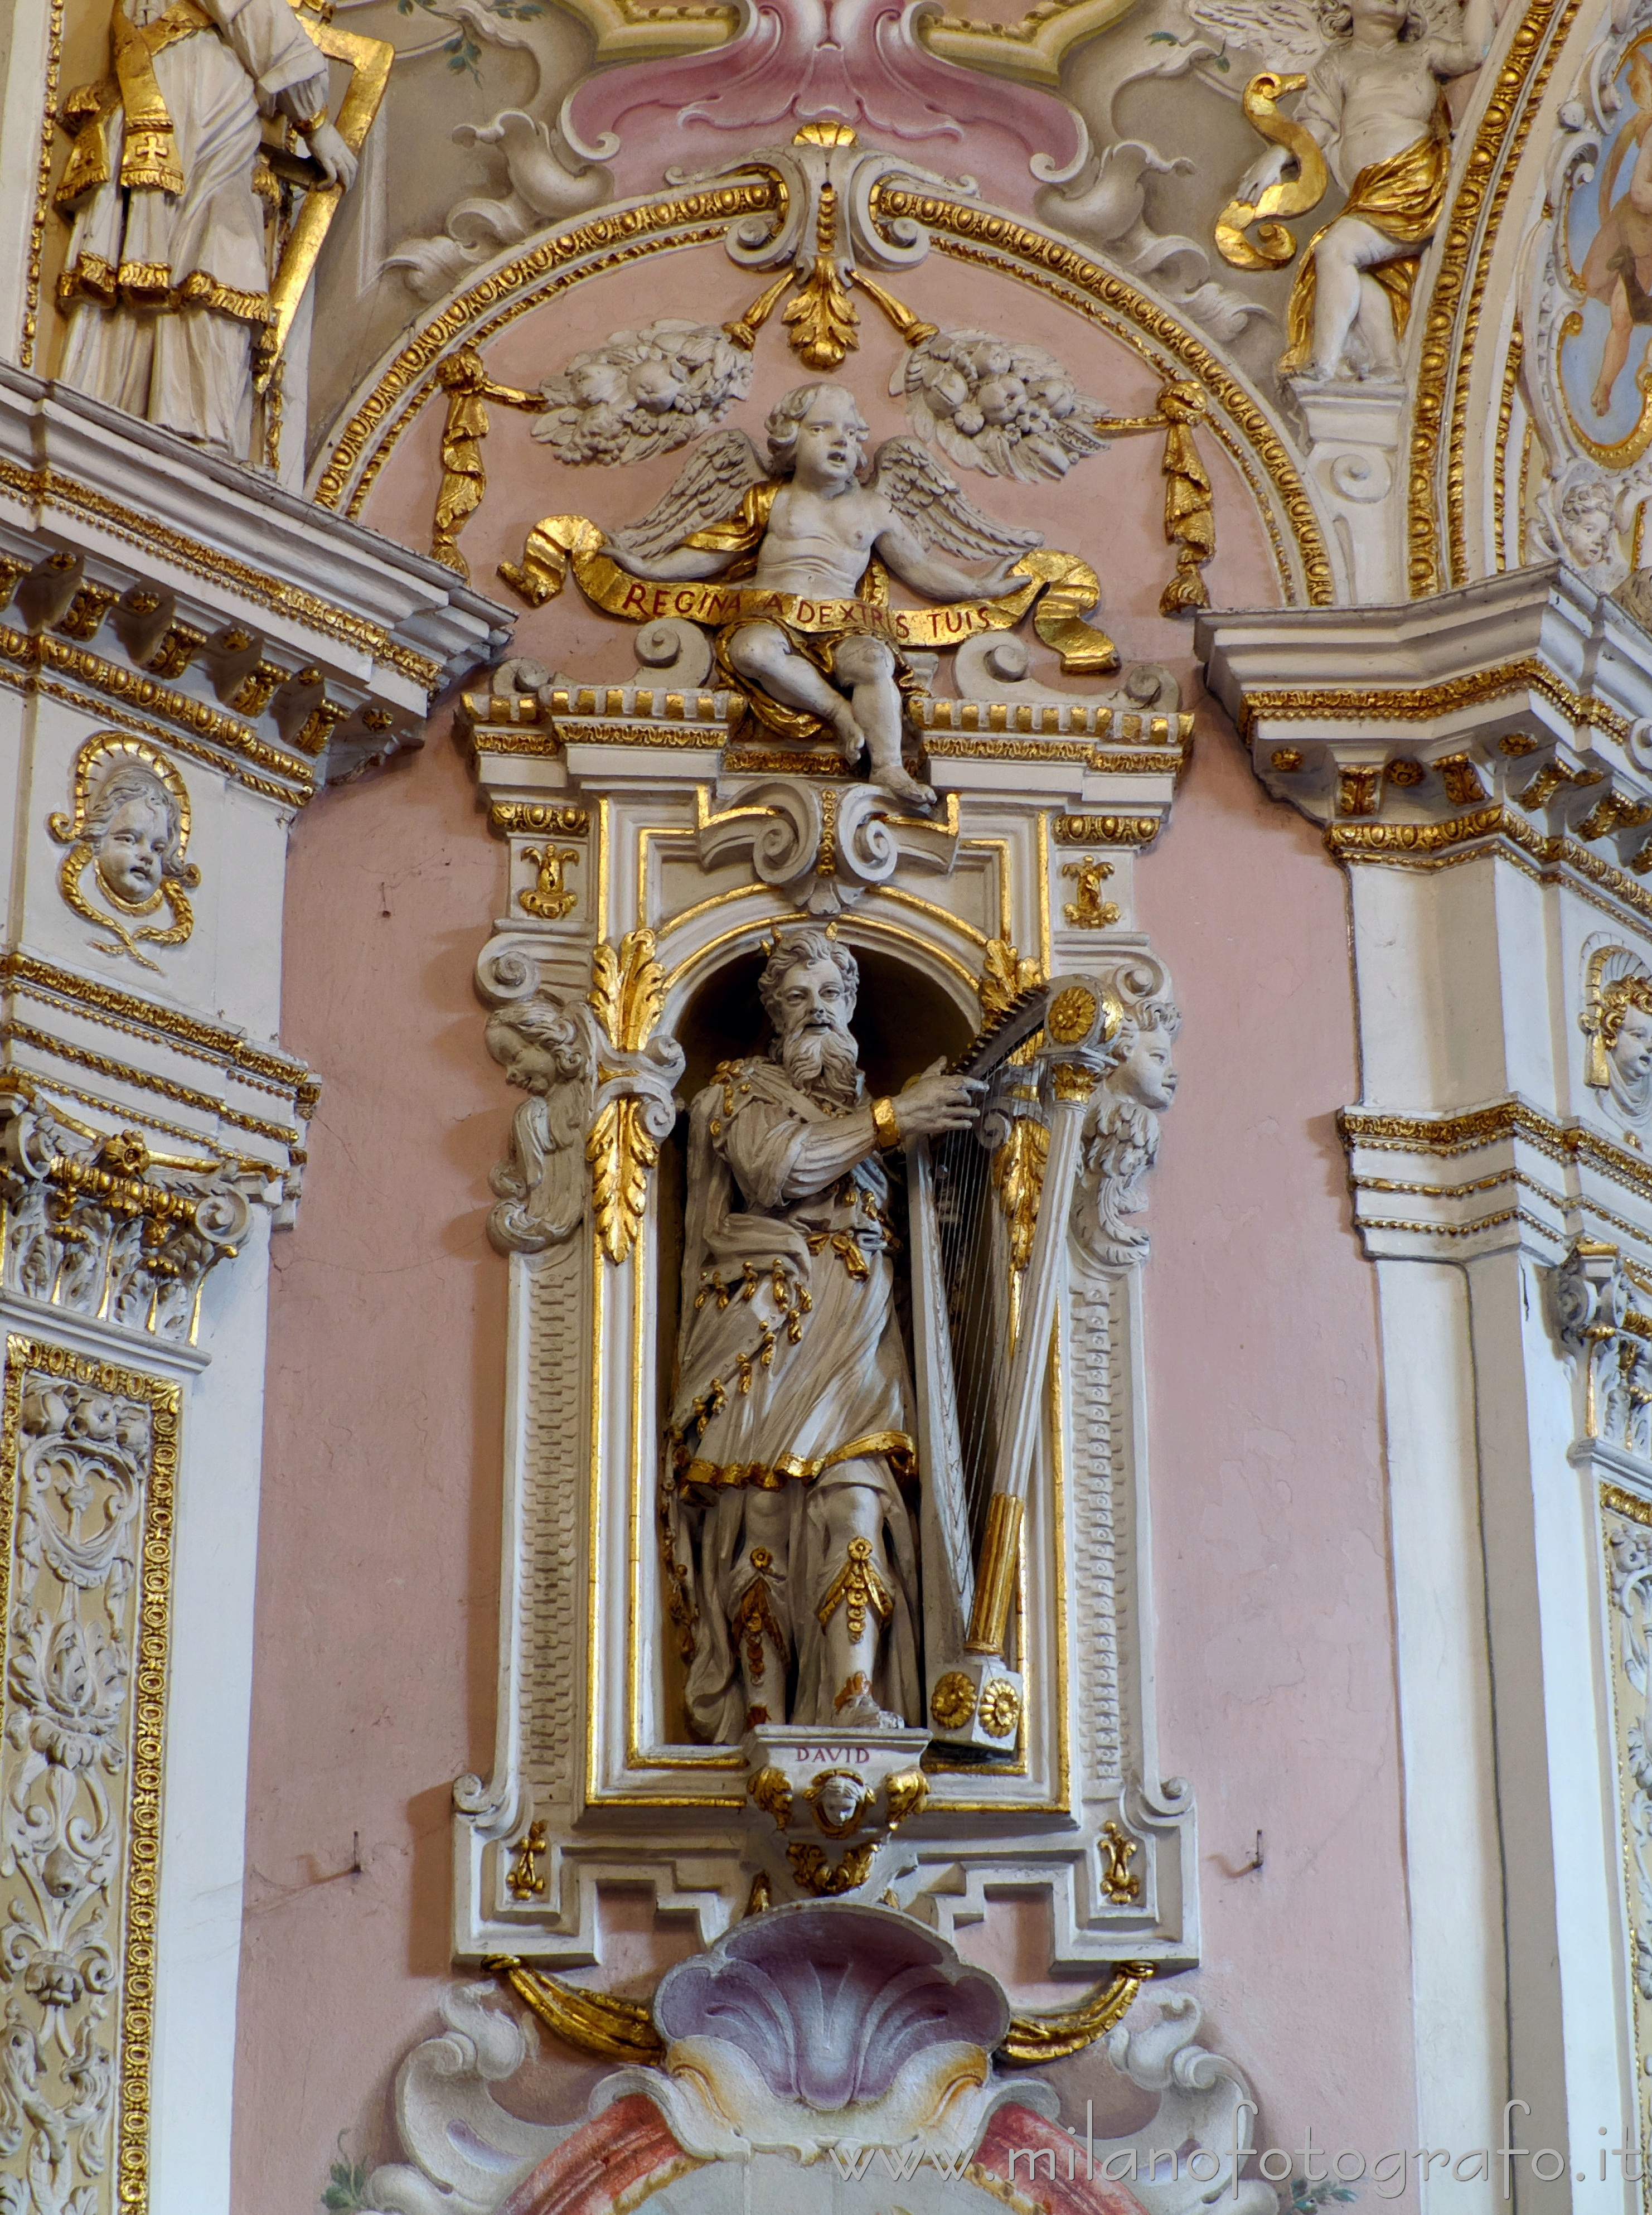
[[904, 1021]]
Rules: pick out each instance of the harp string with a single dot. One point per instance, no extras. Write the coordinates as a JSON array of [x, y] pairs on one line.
[[975, 1267]]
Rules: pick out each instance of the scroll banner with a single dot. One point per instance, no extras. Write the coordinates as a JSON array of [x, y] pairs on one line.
[[1063, 588]]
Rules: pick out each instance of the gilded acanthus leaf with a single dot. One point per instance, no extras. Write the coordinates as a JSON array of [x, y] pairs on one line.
[[621, 1154], [822, 320], [1018, 1180], [627, 991], [1005, 976]]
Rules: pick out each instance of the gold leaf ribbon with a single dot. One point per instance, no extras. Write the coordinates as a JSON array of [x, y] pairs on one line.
[[1061, 590]]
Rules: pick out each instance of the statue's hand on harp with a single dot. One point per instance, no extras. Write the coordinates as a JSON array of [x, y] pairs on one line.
[[928, 1105]]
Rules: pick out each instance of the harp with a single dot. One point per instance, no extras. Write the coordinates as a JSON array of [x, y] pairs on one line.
[[990, 1207]]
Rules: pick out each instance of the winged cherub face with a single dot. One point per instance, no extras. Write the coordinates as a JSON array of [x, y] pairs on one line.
[[830, 448]]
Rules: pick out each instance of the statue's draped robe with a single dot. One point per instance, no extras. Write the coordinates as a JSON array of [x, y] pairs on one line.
[[168, 288], [794, 1378], [1402, 198]]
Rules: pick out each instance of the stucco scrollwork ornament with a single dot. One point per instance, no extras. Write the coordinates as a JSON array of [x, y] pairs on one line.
[[89, 1456], [127, 833], [599, 1085], [823, 849], [1615, 1019], [643, 392], [1373, 116], [1121, 1134], [824, 237], [1596, 1320]]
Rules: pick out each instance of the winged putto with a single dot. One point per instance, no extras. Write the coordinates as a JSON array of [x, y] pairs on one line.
[[1372, 74], [809, 639]]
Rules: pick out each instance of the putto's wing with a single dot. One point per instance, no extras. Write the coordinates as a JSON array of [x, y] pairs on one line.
[[925, 497], [1445, 21], [719, 474], [1283, 34]]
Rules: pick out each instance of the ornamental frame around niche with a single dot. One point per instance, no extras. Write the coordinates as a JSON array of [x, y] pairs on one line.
[[580, 1754]]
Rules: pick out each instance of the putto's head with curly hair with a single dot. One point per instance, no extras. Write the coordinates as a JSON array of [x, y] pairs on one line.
[[786, 420]]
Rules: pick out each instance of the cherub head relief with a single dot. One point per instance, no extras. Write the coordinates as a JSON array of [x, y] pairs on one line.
[[1578, 519], [128, 839], [1617, 1020], [1145, 1039], [818, 431], [536, 1044]]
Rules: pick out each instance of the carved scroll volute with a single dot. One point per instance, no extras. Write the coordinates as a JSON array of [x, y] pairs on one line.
[[600, 1095], [636, 1102]]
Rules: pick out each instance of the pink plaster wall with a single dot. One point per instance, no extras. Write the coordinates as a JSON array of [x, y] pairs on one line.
[[378, 1537], [1275, 1666]]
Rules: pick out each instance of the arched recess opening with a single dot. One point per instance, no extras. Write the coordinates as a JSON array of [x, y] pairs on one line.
[[905, 1019]]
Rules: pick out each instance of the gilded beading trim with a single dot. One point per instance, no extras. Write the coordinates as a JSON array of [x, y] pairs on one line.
[[32, 652], [32, 681], [615, 239], [47, 487], [1442, 1137], [1511, 370], [1434, 363], [1416, 703], [140, 1018], [1438, 845], [1461, 370], [26, 1034], [1064, 262], [33, 1085], [42, 190], [146, 1735]]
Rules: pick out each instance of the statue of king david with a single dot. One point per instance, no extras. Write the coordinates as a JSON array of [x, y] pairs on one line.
[[790, 1453]]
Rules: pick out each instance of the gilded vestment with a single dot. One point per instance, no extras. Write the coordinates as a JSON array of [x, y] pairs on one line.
[[793, 1380]]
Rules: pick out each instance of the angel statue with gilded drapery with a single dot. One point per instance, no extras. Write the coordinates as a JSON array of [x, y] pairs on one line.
[[167, 280], [812, 646], [1373, 107], [790, 1453]]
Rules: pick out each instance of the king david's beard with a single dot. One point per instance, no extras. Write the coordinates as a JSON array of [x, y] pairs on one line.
[[824, 1063]]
